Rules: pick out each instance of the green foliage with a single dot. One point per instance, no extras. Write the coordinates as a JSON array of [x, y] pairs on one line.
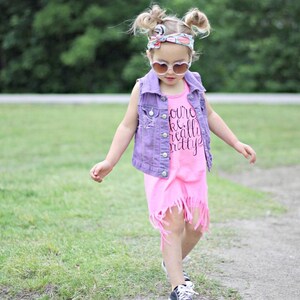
[[66, 46], [52, 19], [83, 48], [265, 42]]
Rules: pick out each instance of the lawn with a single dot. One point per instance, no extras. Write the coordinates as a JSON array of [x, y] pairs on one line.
[[64, 236]]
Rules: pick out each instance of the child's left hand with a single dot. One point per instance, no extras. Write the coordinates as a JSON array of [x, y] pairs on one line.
[[246, 150]]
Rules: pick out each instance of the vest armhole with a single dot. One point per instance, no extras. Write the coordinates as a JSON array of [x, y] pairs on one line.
[[198, 78], [141, 86]]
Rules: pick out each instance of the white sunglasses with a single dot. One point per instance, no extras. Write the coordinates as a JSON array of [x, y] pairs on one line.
[[161, 68]]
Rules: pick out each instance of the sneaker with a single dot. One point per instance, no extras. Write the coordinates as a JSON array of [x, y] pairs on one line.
[[182, 292], [185, 275]]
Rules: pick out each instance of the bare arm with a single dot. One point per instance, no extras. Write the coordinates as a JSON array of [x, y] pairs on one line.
[[121, 140], [220, 129]]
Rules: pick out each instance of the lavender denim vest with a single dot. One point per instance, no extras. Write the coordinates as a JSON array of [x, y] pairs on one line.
[[151, 153]]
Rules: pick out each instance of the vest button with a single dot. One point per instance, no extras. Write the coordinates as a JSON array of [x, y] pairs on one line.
[[151, 113], [164, 135], [165, 154], [164, 173], [163, 98], [164, 116]]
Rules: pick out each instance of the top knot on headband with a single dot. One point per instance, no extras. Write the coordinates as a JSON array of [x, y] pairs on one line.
[[160, 29], [155, 41]]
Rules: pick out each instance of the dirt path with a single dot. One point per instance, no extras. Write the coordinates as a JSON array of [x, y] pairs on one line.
[[265, 261]]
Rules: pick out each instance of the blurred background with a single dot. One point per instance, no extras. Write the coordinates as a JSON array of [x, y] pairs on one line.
[[76, 46], [64, 237]]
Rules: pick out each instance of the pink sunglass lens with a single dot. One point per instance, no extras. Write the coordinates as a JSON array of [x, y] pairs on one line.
[[180, 68], [160, 68]]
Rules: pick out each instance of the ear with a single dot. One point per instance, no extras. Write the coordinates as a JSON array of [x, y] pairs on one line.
[[148, 53], [194, 54]]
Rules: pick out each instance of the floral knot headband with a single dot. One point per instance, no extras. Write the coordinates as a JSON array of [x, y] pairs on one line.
[[155, 41]]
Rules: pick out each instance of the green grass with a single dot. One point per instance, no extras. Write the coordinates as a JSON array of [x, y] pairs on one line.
[[272, 130], [66, 237]]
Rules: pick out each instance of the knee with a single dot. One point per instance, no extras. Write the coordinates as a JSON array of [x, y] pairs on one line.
[[176, 228], [174, 223]]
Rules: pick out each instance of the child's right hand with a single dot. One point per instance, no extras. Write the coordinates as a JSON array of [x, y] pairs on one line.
[[100, 170]]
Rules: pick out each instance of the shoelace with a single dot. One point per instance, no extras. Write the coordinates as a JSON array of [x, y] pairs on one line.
[[189, 284], [185, 292]]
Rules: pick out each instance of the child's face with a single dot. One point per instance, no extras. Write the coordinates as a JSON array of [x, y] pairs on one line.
[[170, 54]]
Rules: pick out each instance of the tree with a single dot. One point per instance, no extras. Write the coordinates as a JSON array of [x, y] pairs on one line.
[[65, 46], [75, 46], [256, 44]]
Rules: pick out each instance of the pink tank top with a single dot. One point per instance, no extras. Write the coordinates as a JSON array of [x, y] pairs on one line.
[[186, 145]]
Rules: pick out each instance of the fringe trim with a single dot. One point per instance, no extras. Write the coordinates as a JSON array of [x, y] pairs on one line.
[[188, 205]]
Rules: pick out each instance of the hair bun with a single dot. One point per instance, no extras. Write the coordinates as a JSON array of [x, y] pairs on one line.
[[146, 21], [157, 13], [197, 21]]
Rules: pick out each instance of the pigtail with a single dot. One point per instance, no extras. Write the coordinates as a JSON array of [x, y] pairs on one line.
[[147, 20], [198, 22]]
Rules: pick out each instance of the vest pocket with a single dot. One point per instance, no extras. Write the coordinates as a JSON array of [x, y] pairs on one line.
[[149, 116]]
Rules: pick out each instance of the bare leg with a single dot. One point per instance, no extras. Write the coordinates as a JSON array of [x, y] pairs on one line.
[[191, 236], [172, 251]]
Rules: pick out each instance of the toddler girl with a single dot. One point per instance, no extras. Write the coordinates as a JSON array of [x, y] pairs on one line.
[[171, 119]]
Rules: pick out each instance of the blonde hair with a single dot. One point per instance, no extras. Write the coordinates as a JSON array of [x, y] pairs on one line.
[[193, 23]]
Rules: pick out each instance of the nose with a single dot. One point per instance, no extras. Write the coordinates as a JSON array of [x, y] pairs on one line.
[[170, 70]]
